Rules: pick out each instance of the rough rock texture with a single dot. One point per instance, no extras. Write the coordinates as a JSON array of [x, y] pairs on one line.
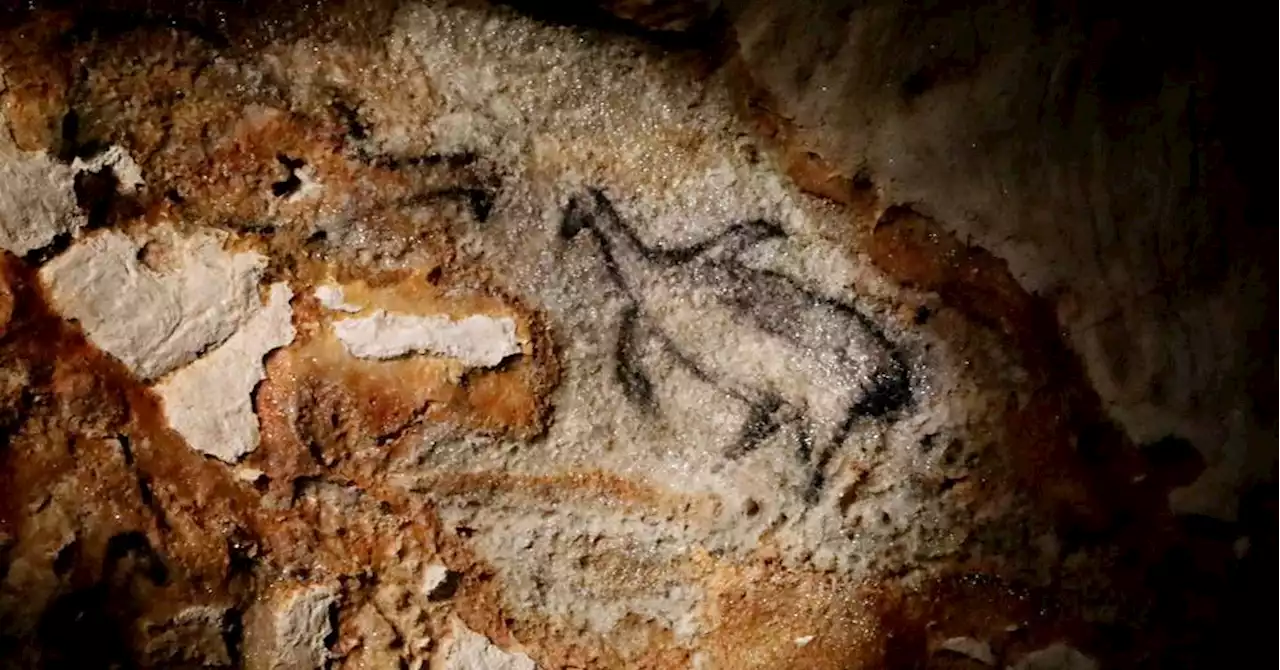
[[289, 629], [1093, 150], [465, 650], [634, 335], [209, 402], [154, 305], [37, 201]]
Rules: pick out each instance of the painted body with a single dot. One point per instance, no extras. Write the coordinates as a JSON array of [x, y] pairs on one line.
[[789, 354]]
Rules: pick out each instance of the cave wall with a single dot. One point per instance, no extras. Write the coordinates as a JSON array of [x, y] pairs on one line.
[[630, 334], [1102, 152]]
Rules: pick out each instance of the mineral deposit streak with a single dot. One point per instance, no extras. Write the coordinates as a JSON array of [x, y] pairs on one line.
[[793, 357]]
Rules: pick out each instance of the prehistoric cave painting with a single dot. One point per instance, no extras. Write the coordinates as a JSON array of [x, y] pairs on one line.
[[791, 356]]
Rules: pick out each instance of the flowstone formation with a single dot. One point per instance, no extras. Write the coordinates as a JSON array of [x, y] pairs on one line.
[[443, 335]]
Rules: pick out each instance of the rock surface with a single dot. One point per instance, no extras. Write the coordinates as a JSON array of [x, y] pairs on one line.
[[479, 341], [465, 650], [635, 335], [209, 402], [36, 200], [154, 305], [291, 629], [1117, 216]]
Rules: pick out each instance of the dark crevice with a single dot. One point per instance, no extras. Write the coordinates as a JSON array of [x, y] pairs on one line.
[[36, 257], [66, 558], [15, 415], [132, 550], [80, 631], [289, 186], [300, 487], [126, 449], [317, 238], [6, 552], [242, 552], [95, 195], [447, 588], [317, 454], [413, 421], [68, 132], [292, 183], [1173, 460], [147, 495], [233, 636], [916, 84], [335, 626]]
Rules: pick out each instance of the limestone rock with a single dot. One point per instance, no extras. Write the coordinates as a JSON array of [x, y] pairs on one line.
[[1115, 248], [480, 341], [289, 630], [126, 171], [154, 305], [210, 401], [465, 649], [37, 202], [196, 634], [580, 358]]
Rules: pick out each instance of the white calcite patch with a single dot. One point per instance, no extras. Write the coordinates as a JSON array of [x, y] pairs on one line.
[[122, 165], [331, 297], [37, 202], [467, 650], [154, 320], [477, 340], [184, 313], [209, 402]]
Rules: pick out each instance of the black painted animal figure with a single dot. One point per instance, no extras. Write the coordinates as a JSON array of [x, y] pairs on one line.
[[789, 354]]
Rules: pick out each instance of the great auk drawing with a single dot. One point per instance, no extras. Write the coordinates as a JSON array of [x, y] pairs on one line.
[[791, 355]]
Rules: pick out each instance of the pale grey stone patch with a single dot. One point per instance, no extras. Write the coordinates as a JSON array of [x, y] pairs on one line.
[[468, 650], [209, 402], [154, 320], [477, 340], [37, 202]]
